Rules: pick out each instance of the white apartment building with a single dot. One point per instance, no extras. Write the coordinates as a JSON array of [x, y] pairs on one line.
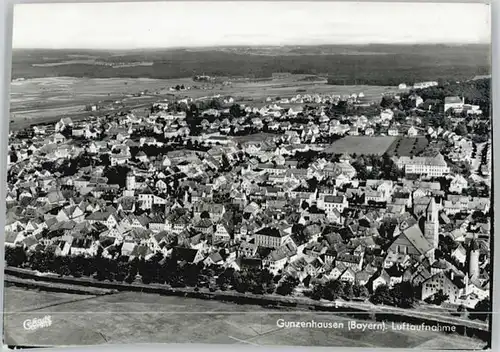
[[269, 237], [335, 202]]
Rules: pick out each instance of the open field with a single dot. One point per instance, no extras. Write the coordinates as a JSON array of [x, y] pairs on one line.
[[35, 299], [51, 98], [52, 92], [408, 146], [361, 145], [139, 318]]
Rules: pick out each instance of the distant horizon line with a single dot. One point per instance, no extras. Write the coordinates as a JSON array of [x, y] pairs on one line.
[[259, 46]]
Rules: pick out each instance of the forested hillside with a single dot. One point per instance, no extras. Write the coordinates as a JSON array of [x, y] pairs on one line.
[[375, 65]]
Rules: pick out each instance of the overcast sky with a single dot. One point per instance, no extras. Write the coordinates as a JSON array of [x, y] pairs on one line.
[[185, 24]]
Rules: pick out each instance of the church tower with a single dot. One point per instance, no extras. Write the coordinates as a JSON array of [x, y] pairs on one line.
[[431, 225], [473, 258]]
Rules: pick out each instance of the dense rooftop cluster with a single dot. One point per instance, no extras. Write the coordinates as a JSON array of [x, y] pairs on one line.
[[233, 196]]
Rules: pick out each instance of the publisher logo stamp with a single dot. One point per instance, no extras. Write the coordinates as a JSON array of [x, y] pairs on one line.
[[37, 323]]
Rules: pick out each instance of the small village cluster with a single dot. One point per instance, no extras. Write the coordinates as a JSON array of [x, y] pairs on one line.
[[220, 197]]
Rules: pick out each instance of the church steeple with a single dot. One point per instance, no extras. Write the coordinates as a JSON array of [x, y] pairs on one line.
[[431, 211], [431, 225], [473, 257]]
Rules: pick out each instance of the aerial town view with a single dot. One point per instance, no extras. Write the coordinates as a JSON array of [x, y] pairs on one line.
[[267, 195]]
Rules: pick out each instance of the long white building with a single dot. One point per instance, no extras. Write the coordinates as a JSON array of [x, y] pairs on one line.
[[424, 165], [422, 85]]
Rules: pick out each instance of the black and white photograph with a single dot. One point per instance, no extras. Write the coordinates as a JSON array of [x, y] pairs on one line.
[[249, 173]]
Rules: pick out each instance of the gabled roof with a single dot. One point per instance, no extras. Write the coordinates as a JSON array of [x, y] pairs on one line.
[[371, 268], [186, 254], [460, 249], [98, 216], [140, 251], [162, 236], [216, 257], [395, 271], [348, 258], [316, 262], [348, 271], [384, 275], [440, 264], [10, 237], [363, 275], [271, 231], [334, 199], [333, 238], [143, 220], [204, 223], [417, 239], [158, 219]]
